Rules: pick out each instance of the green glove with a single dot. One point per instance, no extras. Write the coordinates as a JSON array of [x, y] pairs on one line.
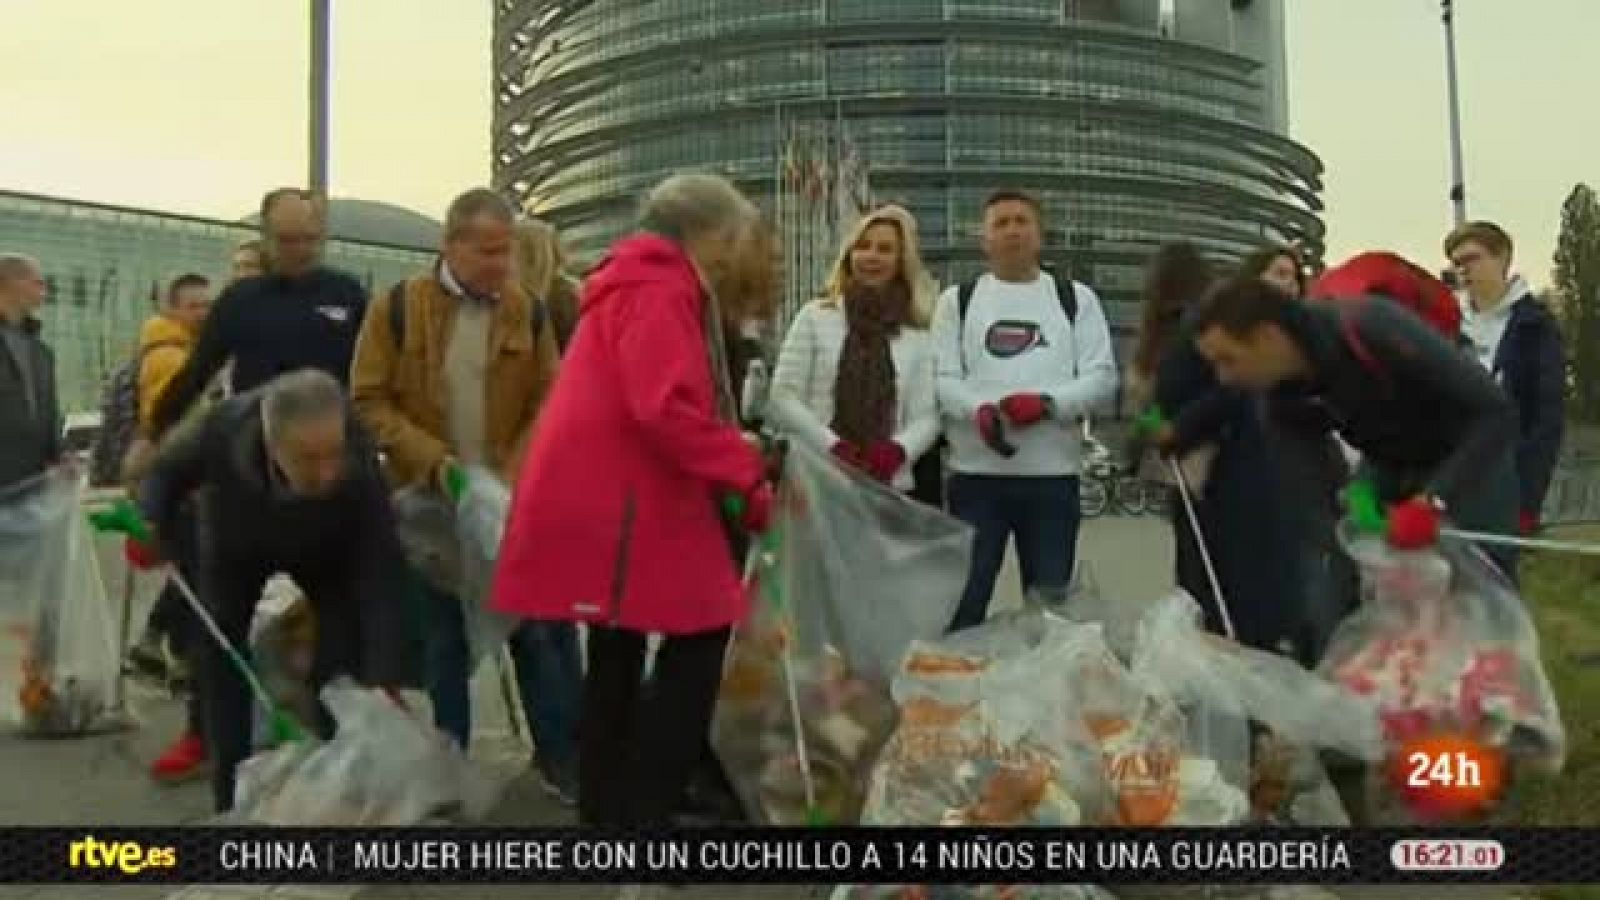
[[1361, 498], [1151, 420], [122, 518], [455, 481]]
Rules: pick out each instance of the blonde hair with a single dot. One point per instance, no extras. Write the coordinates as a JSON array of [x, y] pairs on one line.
[[912, 270], [541, 262]]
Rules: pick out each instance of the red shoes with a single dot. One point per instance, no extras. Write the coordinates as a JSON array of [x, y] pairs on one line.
[[185, 759]]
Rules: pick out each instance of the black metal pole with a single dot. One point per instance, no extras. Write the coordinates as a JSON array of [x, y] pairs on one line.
[[1458, 184], [320, 14]]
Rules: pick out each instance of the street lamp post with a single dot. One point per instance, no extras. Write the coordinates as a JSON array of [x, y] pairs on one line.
[[320, 14], [1458, 185]]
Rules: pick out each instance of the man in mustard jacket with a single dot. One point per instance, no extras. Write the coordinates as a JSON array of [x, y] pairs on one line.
[[460, 384]]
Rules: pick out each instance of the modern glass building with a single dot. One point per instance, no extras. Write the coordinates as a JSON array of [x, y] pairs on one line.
[[106, 267], [1136, 121]]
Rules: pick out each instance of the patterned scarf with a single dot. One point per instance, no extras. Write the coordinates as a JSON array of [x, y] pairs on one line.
[[864, 391]]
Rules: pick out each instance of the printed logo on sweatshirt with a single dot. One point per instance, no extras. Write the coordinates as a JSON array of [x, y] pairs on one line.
[[335, 313], [1010, 338]]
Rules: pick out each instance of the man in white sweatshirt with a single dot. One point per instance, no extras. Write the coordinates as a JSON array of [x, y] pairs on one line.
[[1022, 358]]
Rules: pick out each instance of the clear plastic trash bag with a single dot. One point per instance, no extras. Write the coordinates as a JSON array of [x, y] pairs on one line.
[[1228, 695], [851, 574], [384, 768], [1442, 643], [455, 548], [282, 650], [987, 735], [58, 650]]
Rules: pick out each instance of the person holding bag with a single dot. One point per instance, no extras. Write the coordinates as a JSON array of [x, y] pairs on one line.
[[618, 517]]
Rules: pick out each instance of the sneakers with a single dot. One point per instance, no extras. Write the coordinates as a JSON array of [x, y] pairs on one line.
[[184, 760], [559, 780]]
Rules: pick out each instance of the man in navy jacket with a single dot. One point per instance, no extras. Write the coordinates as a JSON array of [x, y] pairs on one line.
[[300, 314], [1516, 338]]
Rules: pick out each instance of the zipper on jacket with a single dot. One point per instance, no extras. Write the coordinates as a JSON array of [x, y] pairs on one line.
[[619, 571]]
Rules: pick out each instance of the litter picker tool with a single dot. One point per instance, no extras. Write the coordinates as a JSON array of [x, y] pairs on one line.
[[123, 518], [1200, 542], [1151, 421]]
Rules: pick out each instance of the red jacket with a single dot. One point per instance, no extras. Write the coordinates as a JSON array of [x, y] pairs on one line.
[[615, 519]]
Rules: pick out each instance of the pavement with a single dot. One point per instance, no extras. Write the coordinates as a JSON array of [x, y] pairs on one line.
[[102, 780]]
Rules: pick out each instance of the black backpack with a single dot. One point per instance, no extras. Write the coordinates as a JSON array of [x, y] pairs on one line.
[[397, 316], [119, 419]]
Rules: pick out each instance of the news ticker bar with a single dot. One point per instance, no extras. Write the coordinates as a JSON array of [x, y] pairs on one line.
[[792, 856]]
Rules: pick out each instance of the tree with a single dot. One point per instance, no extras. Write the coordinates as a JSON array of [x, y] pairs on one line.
[[1577, 289]]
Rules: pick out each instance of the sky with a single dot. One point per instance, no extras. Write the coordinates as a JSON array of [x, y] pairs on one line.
[[197, 106]]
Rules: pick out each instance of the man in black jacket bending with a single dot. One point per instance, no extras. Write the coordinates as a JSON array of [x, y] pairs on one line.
[[288, 484], [1434, 430]]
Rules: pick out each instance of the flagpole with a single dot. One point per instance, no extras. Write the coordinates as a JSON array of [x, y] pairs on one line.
[[1458, 186]]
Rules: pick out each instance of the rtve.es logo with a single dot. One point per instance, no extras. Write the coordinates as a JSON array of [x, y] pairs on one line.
[[127, 857]]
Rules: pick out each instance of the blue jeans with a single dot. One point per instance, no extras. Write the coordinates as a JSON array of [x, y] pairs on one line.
[[548, 668], [1042, 513]]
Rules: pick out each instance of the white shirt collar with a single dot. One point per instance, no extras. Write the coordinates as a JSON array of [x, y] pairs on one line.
[[453, 287]]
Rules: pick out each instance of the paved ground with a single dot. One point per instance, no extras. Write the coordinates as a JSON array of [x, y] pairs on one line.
[[102, 780]]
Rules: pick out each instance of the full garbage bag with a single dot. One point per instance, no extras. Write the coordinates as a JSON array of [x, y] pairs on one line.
[[58, 650], [1230, 695], [282, 649], [1443, 644], [848, 577], [987, 736], [455, 547], [384, 768]]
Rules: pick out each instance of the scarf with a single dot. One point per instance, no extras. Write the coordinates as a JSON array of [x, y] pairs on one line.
[[864, 389]]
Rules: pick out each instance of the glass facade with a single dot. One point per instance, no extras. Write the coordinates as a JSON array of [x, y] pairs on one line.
[[1133, 126], [106, 267]]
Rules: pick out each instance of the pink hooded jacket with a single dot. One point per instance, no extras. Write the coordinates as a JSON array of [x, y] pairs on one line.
[[615, 519]]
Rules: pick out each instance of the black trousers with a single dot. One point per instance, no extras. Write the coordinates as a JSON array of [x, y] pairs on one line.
[[637, 754], [231, 590], [171, 615]]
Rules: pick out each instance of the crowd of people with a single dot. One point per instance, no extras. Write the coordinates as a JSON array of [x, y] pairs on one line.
[[274, 426]]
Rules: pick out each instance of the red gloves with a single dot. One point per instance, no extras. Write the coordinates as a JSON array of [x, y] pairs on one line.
[[849, 454], [1023, 410], [1413, 524], [758, 505], [991, 428], [884, 459], [1527, 523], [140, 555]]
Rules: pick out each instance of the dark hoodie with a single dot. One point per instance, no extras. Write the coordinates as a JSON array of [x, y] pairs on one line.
[[254, 526], [1419, 410], [269, 326]]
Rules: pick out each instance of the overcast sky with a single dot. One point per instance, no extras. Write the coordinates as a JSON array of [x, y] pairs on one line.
[[198, 105]]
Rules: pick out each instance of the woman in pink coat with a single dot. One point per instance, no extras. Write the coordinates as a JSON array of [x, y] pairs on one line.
[[617, 518]]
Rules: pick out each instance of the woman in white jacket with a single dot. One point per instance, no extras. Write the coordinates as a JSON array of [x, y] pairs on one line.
[[856, 373]]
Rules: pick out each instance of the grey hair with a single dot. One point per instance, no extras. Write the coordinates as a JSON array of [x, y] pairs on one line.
[[16, 266], [465, 209], [303, 395], [695, 204]]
